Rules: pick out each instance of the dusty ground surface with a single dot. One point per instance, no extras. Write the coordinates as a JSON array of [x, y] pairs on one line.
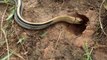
[[60, 41]]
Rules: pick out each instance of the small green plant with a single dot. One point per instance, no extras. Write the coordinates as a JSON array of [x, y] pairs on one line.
[[42, 34], [12, 11], [23, 37], [21, 40], [88, 52], [12, 52]]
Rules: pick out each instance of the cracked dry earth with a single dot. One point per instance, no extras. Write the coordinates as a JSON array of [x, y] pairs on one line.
[[61, 41]]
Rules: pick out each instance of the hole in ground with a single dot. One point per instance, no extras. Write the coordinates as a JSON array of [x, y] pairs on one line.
[[79, 28]]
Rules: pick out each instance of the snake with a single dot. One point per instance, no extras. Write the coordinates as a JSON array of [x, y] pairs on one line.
[[41, 25]]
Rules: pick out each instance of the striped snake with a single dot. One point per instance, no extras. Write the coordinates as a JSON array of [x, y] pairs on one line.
[[37, 26]]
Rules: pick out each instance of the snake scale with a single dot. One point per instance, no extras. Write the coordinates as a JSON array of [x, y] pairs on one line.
[[37, 26]]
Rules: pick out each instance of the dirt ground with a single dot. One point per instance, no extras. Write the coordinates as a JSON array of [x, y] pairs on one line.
[[61, 41]]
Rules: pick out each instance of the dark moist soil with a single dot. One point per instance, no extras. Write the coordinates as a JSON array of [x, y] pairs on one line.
[[61, 41]]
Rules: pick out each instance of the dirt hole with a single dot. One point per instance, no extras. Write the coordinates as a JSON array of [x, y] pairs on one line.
[[79, 28]]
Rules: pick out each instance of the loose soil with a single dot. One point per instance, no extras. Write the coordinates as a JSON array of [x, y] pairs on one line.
[[61, 41]]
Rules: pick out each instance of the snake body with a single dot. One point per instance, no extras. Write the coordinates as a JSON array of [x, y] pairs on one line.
[[37, 26]]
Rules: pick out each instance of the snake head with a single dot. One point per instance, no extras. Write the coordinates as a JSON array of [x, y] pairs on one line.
[[81, 19], [78, 20]]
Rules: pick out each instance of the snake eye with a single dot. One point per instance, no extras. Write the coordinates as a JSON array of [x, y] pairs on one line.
[[78, 21], [81, 22]]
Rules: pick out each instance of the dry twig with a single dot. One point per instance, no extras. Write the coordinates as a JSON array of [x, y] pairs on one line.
[[58, 39], [3, 31], [101, 25]]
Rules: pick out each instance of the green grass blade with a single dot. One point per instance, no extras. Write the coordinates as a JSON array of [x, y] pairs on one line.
[[11, 14], [6, 57]]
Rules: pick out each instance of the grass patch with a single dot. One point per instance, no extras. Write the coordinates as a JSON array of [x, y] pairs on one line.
[[88, 52], [6, 56], [11, 13]]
